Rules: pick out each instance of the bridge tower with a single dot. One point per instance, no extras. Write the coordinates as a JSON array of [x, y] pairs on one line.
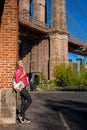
[[39, 10], [58, 36]]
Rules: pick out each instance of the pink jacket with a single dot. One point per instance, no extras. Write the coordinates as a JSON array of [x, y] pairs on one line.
[[23, 79]]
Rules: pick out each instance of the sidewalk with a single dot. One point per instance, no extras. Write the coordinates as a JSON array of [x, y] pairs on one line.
[[54, 111], [31, 114], [8, 127], [43, 113]]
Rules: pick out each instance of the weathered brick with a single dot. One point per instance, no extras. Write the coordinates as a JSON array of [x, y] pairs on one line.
[[8, 42], [8, 57]]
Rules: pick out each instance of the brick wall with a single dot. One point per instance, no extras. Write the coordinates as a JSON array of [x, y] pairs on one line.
[[8, 42], [8, 58]]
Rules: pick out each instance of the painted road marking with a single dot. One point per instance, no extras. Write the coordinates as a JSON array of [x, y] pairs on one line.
[[63, 121]]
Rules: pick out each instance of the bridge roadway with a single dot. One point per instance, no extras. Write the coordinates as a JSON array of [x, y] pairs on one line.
[[55, 111]]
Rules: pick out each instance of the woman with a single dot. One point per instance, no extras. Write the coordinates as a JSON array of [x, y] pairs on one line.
[[25, 96]]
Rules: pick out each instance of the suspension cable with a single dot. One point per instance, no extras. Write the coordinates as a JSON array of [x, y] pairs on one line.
[[80, 7], [75, 23]]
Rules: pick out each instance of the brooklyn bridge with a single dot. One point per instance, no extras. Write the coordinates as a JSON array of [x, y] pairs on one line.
[[43, 45]]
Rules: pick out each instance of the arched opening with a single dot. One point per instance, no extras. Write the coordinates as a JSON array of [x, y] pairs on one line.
[[31, 8], [48, 12]]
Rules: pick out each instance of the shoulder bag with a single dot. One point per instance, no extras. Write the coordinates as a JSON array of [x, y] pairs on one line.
[[18, 86]]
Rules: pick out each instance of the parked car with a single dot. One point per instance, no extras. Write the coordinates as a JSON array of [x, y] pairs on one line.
[[32, 76]]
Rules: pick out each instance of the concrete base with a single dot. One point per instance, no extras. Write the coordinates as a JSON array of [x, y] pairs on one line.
[[7, 106]]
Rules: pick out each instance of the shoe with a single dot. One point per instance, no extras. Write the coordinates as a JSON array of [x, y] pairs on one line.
[[23, 120], [20, 118], [27, 120]]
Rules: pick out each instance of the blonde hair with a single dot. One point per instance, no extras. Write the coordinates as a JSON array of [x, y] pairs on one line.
[[17, 64], [20, 61]]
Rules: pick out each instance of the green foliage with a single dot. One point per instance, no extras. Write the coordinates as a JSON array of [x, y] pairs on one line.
[[52, 82], [49, 87], [66, 75], [70, 76], [83, 75], [40, 78], [60, 75], [37, 79]]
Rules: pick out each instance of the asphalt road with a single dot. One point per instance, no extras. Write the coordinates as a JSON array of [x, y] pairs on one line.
[[55, 111]]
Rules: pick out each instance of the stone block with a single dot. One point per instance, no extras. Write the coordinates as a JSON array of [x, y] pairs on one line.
[[7, 106]]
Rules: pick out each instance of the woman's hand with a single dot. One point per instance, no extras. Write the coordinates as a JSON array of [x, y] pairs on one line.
[[23, 73]]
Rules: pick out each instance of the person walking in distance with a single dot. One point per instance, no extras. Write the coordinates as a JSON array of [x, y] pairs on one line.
[[26, 100]]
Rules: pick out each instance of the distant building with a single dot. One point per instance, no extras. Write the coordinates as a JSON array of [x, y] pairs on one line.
[[70, 61]]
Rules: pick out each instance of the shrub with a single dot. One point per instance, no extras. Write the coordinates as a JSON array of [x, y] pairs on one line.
[[60, 75], [83, 75], [65, 75]]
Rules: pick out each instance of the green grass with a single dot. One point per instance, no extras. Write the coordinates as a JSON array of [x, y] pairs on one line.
[[49, 87], [57, 88]]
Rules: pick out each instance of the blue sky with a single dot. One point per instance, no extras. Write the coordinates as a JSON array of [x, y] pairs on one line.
[[76, 11], [76, 20]]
